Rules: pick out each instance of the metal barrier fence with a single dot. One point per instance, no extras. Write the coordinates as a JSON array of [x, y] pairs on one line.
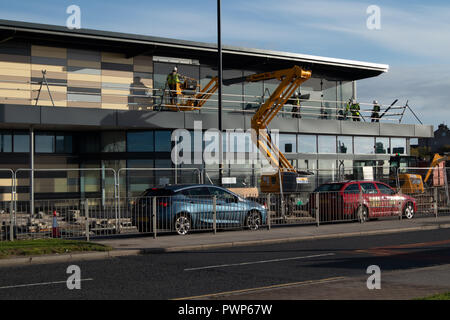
[[187, 212]]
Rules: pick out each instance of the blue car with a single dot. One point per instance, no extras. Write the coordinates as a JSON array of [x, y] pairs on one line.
[[182, 208]]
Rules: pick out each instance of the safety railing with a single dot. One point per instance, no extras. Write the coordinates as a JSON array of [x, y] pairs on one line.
[[160, 99], [186, 212]]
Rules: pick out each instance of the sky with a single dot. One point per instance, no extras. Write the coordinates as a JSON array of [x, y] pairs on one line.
[[413, 37]]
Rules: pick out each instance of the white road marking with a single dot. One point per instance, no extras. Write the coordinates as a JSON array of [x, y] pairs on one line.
[[258, 262], [39, 284]]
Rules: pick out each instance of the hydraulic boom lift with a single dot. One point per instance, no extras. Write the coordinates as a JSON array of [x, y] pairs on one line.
[[287, 178], [196, 101]]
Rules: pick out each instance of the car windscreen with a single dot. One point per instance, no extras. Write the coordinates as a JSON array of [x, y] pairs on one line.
[[330, 187]]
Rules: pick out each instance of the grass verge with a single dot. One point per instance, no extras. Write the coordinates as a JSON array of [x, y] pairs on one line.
[[46, 246], [442, 296]]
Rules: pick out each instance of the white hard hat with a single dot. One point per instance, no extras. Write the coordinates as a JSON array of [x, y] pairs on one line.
[[296, 94], [375, 102], [175, 69], [353, 100]]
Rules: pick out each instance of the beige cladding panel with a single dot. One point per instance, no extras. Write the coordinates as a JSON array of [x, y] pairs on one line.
[[49, 52], [116, 58]]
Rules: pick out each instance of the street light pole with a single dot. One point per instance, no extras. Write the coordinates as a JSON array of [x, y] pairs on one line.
[[219, 95]]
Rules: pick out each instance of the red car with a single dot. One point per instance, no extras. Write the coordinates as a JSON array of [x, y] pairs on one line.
[[341, 200]]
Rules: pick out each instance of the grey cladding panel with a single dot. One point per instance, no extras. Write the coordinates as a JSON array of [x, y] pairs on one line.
[[150, 119], [396, 130], [423, 131], [19, 114], [209, 120], [319, 126], [360, 128], [78, 116]]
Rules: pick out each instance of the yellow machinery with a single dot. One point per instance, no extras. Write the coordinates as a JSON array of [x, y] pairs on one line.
[[290, 79], [197, 100], [413, 183]]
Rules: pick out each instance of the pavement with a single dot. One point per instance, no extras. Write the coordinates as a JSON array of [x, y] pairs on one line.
[[279, 234], [129, 246]]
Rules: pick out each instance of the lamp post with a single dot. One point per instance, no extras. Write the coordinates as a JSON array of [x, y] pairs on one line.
[[219, 93]]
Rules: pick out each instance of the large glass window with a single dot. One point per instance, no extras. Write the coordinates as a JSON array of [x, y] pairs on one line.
[[113, 141], [232, 94], [44, 143], [21, 142], [141, 141], [398, 145], [311, 108], [163, 142], [306, 143], [328, 108], [327, 144], [364, 145], [206, 74], [140, 180], [5, 142], [90, 142], [345, 144], [288, 143], [344, 93], [63, 144], [382, 145], [253, 92]]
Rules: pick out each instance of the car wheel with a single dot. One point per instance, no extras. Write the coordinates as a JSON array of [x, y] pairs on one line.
[[253, 220], [182, 224], [408, 210]]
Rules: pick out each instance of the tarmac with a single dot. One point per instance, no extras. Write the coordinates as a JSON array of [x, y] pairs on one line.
[[136, 245]]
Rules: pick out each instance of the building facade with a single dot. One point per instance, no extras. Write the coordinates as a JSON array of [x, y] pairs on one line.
[[78, 99]]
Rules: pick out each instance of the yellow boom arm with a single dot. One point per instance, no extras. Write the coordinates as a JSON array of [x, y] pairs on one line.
[[436, 160], [199, 99], [290, 79]]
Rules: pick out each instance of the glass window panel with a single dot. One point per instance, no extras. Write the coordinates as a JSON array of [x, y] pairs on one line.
[[382, 145], [113, 142], [163, 141], [6, 142], [310, 109], [232, 95], [328, 110], [345, 144], [364, 145], [44, 143], [141, 141], [21, 142], [306, 143], [139, 180], [206, 74], [63, 144], [253, 92], [344, 93], [327, 144], [288, 143], [90, 142], [398, 145]]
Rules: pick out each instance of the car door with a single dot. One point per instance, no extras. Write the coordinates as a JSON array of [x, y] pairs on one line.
[[389, 199], [200, 206], [373, 198], [229, 208], [351, 198]]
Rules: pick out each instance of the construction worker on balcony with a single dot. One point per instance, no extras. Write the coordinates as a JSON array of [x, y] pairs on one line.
[[354, 109], [376, 111], [296, 108], [173, 81]]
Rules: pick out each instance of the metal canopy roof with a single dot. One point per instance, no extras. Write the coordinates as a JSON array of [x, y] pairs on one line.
[[234, 57]]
